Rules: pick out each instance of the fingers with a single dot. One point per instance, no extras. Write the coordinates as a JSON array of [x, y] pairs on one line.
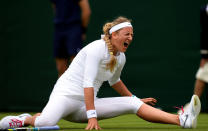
[[150, 101], [92, 124], [91, 127], [97, 127], [154, 100]]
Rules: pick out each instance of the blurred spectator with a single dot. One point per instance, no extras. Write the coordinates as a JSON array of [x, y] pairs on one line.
[[71, 21], [202, 74]]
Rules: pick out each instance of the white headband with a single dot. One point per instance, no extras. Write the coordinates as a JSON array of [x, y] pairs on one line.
[[119, 26]]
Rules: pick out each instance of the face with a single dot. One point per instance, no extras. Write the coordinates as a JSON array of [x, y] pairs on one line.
[[122, 39]]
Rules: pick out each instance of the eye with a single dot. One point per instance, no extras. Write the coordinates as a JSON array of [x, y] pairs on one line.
[[127, 34]]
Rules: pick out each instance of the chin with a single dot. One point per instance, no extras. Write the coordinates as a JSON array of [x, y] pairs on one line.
[[123, 51]]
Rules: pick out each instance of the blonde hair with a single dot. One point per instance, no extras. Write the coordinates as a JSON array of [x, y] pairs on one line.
[[107, 40]]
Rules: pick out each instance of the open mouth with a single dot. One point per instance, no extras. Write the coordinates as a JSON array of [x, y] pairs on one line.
[[126, 44]]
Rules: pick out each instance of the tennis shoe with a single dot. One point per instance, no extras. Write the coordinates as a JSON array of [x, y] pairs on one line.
[[13, 121], [181, 110], [188, 119]]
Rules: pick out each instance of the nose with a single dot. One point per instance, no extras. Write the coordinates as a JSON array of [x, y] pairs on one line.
[[130, 37]]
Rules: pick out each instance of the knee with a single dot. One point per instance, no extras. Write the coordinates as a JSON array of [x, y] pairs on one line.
[[136, 103]]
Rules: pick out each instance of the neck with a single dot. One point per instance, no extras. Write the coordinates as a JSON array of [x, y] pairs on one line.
[[115, 53]]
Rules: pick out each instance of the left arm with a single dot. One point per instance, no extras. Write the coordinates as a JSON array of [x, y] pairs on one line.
[[121, 89]]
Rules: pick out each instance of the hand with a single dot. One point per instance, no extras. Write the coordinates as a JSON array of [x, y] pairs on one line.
[[150, 101], [92, 124]]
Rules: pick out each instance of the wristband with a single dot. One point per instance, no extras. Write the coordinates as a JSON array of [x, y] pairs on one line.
[[91, 114], [135, 96]]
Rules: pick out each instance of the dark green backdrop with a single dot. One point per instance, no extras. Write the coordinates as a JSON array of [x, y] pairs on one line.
[[161, 62]]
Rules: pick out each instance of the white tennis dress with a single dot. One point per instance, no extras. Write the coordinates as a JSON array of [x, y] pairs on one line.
[[88, 69]]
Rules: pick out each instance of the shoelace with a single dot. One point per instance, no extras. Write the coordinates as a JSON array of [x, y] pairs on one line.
[[180, 108], [15, 123]]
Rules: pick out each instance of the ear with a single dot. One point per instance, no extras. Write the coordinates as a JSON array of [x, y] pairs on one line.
[[114, 35]]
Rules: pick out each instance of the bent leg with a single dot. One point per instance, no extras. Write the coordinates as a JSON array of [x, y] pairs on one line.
[[57, 108], [152, 114]]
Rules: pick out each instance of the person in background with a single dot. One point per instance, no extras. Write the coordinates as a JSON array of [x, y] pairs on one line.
[[70, 25], [202, 74]]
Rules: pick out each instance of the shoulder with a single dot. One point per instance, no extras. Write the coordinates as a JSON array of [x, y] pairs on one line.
[[98, 43], [96, 47]]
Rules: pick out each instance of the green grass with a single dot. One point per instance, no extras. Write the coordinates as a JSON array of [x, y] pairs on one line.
[[129, 123]]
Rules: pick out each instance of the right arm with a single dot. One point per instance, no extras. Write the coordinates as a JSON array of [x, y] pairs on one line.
[[89, 101], [92, 60]]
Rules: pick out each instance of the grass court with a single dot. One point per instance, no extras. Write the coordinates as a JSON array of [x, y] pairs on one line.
[[128, 123]]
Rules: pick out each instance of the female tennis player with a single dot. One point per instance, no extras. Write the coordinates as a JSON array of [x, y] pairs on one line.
[[74, 95]]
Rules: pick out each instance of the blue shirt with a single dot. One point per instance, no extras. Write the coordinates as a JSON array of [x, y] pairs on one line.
[[67, 11]]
